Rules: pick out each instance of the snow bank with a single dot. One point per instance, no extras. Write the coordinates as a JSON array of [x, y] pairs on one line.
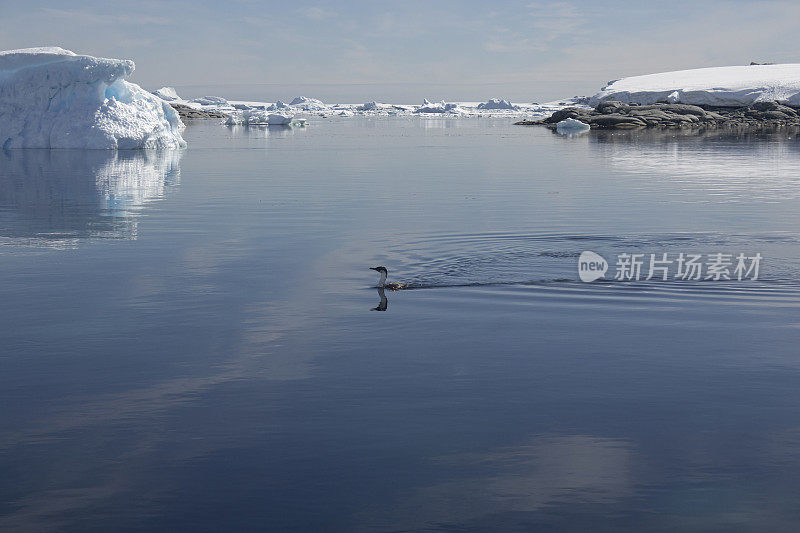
[[167, 93], [736, 86], [496, 103], [53, 98]]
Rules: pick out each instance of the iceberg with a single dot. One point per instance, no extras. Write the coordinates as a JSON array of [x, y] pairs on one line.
[[302, 100], [258, 117], [211, 100], [278, 119], [167, 93], [369, 106], [496, 103], [736, 86], [570, 126], [441, 107], [54, 98]]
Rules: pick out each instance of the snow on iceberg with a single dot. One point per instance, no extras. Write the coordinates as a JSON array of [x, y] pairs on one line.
[[167, 93], [496, 103], [441, 107], [735, 86], [53, 98]]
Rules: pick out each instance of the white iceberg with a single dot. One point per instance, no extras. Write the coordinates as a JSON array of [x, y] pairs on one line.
[[735, 86], [441, 107], [570, 126], [53, 98], [369, 106], [496, 103], [302, 100], [211, 100], [258, 117], [167, 93], [278, 119]]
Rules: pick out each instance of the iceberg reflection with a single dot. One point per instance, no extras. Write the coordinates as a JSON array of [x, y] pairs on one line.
[[57, 197]]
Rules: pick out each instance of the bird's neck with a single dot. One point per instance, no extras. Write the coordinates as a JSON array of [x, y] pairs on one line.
[[383, 279]]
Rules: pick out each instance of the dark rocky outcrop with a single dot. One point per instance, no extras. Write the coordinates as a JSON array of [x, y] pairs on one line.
[[189, 112], [619, 115]]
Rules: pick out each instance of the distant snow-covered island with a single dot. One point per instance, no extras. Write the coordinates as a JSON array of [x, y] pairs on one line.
[[753, 96], [54, 98]]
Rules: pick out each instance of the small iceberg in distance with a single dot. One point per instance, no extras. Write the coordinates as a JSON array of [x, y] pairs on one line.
[[54, 98], [440, 107], [570, 126], [261, 117], [211, 100], [496, 103], [167, 93]]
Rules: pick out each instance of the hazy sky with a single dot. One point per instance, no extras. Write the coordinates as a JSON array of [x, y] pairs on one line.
[[404, 50]]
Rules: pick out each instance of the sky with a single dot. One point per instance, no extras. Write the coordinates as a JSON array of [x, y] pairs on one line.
[[353, 50]]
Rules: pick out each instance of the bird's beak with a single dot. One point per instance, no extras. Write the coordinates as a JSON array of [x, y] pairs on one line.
[[373, 268]]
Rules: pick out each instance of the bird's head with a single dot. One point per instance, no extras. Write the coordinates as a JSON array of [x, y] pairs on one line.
[[382, 270]]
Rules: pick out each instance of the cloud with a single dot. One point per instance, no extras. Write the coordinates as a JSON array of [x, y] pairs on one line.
[[315, 13], [545, 23]]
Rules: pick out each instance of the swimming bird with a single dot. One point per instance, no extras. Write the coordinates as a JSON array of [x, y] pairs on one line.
[[392, 285]]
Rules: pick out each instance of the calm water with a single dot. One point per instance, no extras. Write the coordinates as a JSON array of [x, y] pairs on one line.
[[187, 340]]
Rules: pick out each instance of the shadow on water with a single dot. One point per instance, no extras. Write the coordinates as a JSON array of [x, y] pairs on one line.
[[57, 197]]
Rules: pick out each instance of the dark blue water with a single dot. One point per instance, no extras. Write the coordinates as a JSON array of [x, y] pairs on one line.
[[187, 340]]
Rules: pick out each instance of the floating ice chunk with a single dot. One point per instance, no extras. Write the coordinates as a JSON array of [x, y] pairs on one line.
[[496, 103], [441, 107], [248, 117], [53, 98], [736, 86], [211, 100], [369, 106], [571, 126], [300, 100], [167, 93], [277, 119]]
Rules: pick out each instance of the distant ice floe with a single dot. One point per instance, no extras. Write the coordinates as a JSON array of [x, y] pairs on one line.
[[496, 103], [736, 86], [261, 117], [210, 100], [303, 108], [440, 107], [167, 93], [54, 98]]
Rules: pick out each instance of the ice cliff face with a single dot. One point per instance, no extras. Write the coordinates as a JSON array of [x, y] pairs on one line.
[[53, 98]]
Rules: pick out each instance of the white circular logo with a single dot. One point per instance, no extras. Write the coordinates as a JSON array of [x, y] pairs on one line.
[[591, 266]]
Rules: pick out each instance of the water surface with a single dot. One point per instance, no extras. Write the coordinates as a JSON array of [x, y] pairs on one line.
[[187, 338]]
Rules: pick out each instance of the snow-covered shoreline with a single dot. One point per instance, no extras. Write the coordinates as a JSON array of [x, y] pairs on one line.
[[735, 86]]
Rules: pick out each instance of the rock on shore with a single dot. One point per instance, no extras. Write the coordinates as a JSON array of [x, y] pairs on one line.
[[619, 115]]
